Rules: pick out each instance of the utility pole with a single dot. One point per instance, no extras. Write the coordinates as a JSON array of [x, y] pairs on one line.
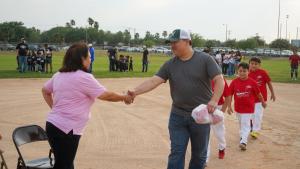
[[286, 27], [226, 31], [278, 25]]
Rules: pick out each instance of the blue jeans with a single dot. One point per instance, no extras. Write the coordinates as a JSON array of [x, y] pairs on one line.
[[22, 63], [181, 129], [231, 69]]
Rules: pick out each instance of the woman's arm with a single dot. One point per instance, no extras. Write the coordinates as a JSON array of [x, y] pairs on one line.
[[114, 97], [47, 97]]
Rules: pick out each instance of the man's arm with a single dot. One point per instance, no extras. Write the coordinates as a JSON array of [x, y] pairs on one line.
[[218, 91], [147, 86]]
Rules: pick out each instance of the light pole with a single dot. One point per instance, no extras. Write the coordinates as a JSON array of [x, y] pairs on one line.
[[286, 27], [226, 32], [297, 33], [280, 31], [278, 24]]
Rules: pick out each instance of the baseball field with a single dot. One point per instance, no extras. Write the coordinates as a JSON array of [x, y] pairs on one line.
[[136, 136]]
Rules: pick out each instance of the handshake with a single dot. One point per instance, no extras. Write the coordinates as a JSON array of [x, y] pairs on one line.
[[129, 97]]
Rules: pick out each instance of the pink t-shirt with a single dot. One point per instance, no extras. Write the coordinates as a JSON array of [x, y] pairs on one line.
[[73, 95]]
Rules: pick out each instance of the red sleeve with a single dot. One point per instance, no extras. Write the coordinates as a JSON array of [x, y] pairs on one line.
[[226, 91]]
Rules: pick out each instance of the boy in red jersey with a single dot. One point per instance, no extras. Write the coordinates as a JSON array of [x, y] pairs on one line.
[[244, 90], [294, 60], [262, 79], [219, 128]]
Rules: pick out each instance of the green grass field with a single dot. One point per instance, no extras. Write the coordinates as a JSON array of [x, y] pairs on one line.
[[278, 68]]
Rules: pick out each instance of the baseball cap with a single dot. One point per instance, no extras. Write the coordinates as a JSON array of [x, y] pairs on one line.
[[90, 45], [179, 34]]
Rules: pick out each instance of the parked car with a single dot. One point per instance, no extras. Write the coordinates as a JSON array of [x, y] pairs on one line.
[[54, 47], [123, 48], [7, 47], [33, 47]]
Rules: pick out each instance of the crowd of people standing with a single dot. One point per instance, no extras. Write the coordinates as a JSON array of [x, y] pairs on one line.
[[227, 60], [39, 60]]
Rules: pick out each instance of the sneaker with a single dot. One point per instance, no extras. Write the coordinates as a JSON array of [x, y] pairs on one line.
[[221, 154], [254, 134], [243, 146]]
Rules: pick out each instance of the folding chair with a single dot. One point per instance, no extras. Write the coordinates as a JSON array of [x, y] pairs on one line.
[[2, 163], [29, 134]]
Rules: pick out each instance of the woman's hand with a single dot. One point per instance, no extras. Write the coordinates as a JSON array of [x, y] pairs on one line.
[[128, 99]]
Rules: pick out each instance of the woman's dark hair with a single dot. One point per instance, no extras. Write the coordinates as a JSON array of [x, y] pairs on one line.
[[73, 58], [255, 59], [244, 65]]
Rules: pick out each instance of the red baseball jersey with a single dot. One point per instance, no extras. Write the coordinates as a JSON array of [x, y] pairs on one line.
[[244, 92], [262, 78], [294, 59], [225, 92]]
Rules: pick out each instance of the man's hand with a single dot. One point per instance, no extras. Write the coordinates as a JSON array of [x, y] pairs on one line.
[[131, 93], [211, 106], [128, 99]]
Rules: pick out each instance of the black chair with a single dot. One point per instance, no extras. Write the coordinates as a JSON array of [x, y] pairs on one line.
[[29, 134], [2, 163]]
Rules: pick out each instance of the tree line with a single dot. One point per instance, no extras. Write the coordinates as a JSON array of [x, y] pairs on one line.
[[70, 33]]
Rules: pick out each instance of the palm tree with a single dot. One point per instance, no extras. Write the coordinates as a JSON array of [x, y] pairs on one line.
[[90, 21], [96, 25], [68, 24], [72, 22]]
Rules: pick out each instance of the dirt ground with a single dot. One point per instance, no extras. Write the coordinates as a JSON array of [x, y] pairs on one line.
[[136, 136]]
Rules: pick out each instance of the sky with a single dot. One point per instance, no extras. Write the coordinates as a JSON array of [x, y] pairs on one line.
[[244, 18]]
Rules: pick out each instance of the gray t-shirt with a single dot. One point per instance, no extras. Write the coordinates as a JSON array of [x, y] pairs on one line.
[[190, 81]]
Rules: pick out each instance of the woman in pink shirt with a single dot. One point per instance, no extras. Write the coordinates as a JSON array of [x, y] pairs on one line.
[[70, 94]]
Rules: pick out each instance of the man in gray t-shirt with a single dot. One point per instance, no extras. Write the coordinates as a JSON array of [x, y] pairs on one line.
[[190, 74], [190, 81]]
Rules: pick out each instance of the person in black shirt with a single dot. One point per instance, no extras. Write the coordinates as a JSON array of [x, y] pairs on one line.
[[127, 63], [130, 64], [41, 55], [112, 53], [29, 61], [22, 50], [145, 60], [48, 53]]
